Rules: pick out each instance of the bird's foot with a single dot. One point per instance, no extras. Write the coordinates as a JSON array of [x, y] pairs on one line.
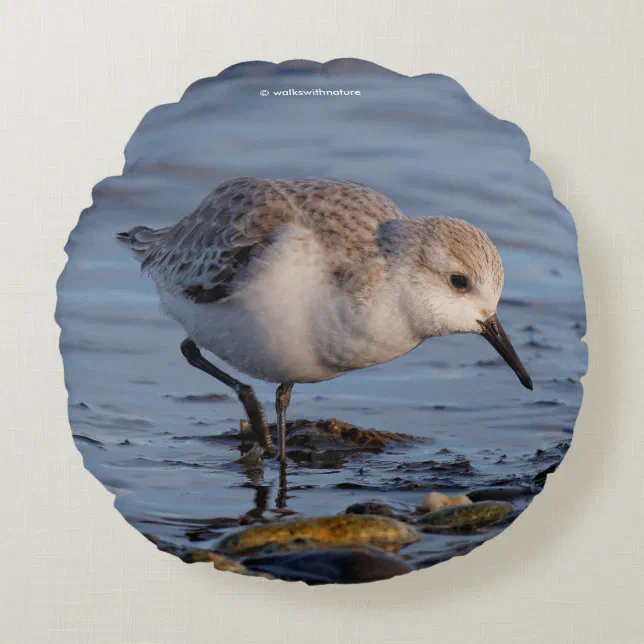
[[253, 457], [256, 417]]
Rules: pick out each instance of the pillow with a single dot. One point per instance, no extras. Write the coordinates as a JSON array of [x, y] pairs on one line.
[[298, 386]]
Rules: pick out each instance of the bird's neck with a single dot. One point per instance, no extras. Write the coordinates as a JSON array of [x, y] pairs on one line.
[[354, 337]]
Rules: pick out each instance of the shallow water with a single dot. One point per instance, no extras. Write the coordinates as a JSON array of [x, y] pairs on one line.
[[149, 426]]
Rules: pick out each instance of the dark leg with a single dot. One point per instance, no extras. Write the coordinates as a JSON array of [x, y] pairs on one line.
[[282, 401], [244, 392]]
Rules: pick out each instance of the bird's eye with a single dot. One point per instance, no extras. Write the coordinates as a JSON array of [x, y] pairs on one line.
[[459, 282]]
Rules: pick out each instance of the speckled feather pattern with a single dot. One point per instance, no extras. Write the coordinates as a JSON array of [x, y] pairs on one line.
[[205, 248]]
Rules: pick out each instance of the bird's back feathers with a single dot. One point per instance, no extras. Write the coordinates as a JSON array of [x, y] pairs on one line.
[[202, 254]]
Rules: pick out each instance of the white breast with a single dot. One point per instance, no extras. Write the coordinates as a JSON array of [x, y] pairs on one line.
[[291, 322]]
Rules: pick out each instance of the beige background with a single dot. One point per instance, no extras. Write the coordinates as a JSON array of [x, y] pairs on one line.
[[77, 78]]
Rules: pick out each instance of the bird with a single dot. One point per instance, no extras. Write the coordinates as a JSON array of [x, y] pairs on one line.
[[302, 280]]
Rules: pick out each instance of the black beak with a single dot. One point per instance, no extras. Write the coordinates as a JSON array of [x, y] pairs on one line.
[[493, 332]]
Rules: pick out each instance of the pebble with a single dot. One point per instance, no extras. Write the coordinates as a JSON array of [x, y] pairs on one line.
[[435, 500], [333, 531], [498, 493], [465, 517], [335, 566]]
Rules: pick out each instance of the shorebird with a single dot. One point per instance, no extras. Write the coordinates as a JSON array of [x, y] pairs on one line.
[[304, 280]]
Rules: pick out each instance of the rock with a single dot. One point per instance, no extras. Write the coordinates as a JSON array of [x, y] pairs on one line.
[[219, 561], [291, 546], [335, 531], [498, 493], [435, 500], [369, 508], [540, 478], [326, 434], [321, 444], [192, 398], [465, 517], [328, 459], [335, 566]]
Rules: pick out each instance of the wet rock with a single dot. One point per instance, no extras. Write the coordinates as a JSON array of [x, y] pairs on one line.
[[322, 444], [335, 531], [326, 434], [465, 517], [192, 398], [352, 485], [298, 545], [328, 459], [554, 453], [435, 500], [458, 465], [219, 561], [498, 493], [540, 478], [370, 508], [336, 566]]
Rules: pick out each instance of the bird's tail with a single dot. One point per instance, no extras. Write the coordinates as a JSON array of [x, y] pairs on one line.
[[140, 238]]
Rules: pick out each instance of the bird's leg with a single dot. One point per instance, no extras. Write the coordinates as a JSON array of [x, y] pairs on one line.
[[282, 401], [244, 392]]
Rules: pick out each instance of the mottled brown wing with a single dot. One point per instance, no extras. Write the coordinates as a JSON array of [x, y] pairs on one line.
[[345, 217], [202, 253]]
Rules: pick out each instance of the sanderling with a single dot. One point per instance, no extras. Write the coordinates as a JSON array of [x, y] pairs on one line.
[[304, 280]]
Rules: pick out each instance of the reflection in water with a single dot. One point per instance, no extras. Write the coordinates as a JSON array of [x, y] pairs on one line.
[[281, 495], [262, 494]]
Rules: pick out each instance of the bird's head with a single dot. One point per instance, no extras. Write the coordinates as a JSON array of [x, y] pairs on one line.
[[449, 277]]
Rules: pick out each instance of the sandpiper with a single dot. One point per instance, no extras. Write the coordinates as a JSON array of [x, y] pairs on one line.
[[304, 280]]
